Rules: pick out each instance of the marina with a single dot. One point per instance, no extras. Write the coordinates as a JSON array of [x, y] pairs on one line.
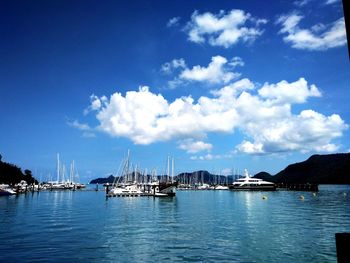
[[200, 226]]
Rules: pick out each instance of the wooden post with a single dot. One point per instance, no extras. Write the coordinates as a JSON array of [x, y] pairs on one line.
[[342, 241]]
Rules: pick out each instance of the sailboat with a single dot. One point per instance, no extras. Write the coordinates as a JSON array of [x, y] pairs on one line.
[[168, 186], [127, 187]]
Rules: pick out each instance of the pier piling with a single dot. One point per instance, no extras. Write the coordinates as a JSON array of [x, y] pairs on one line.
[[342, 241]]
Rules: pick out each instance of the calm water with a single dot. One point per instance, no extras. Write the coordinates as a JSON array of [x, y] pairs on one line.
[[195, 226]]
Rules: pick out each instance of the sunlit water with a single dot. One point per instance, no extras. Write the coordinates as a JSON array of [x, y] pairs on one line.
[[195, 226]]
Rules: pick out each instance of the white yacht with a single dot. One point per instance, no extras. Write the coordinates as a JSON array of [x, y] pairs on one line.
[[252, 184]]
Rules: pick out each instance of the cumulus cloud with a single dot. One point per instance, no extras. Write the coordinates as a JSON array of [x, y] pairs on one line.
[[318, 37], [95, 103], [214, 73], [263, 115], [304, 132], [218, 71], [296, 92], [192, 146], [224, 29]]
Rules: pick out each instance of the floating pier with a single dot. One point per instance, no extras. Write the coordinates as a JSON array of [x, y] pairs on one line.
[[298, 187]]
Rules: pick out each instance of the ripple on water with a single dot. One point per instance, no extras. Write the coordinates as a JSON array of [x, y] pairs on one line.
[[198, 226]]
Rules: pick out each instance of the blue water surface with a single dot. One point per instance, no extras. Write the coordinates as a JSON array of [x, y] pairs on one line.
[[194, 226]]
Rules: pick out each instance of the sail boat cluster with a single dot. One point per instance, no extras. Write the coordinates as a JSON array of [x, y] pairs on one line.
[[135, 183], [65, 181]]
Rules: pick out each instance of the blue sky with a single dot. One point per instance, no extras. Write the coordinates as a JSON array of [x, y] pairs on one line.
[[218, 85]]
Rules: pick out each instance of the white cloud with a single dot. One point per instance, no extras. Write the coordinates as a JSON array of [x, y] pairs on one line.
[[192, 146], [284, 92], [307, 131], [214, 73], [224, 29], [250, 148], [95, 103], [318, 37], [264, 117], [219, 71], [173, 21]]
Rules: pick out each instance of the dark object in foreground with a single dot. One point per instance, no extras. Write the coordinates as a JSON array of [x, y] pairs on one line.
[[342, 241]]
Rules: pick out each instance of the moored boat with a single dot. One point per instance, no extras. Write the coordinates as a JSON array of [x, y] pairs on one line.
[[248, 183], [6, 190]]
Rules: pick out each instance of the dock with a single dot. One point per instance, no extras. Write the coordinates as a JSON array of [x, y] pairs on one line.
[[298, 187]]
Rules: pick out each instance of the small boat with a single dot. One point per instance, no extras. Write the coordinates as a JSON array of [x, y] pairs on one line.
[[221, 187], [6, 190], [252, 184]]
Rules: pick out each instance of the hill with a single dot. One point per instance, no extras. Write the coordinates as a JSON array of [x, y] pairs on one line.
[[11, 174], [318, 169], [109, 179]]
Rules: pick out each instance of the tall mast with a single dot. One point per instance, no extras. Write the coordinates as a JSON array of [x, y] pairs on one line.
[[58, 167], [127, 165], [63, 172], [168, 169], [172, 170]]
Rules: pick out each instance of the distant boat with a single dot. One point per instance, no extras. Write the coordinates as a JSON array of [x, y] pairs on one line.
[[221, 187], [167, 187], [252, 184], [128, 187], [6, 190]]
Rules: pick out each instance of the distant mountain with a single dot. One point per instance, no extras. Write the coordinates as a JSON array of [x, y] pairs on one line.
[[109, 179], [318, 169]]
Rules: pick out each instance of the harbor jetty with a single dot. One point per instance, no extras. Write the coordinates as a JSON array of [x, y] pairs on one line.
[[297, 187]]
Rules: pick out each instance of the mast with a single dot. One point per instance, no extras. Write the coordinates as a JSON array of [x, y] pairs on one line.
[[63, 172], [168, 169], [127, 166], [58, 167], [172, 170]]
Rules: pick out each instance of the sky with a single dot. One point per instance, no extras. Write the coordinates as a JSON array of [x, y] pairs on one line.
[[217, 85]]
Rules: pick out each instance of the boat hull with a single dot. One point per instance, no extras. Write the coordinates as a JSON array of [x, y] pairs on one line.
[[252, 188]]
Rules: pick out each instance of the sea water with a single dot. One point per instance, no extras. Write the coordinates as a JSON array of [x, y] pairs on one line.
[[194, 226]]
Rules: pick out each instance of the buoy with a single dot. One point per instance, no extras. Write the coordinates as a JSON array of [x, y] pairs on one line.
[[344, 194], [264, 197], [302, 197]]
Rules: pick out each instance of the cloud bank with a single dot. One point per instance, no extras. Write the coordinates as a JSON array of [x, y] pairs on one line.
[[262, 114]]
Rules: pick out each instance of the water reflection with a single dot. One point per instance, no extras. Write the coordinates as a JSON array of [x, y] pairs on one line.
[[193, 226]]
